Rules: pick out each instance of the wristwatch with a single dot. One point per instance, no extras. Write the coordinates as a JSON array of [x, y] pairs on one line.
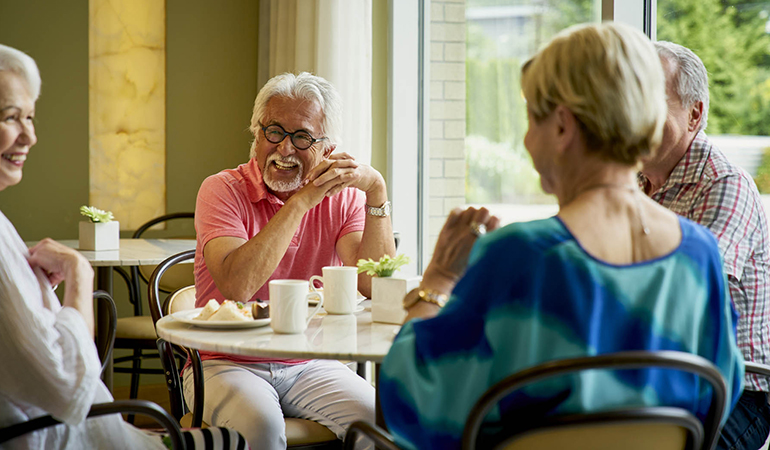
[[425, 295], [382, 211]]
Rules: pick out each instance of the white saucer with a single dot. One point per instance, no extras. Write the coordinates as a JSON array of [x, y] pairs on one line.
[[188, 315], [313, 302]]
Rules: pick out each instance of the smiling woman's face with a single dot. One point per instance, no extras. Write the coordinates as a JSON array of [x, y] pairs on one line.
[[17, 131]]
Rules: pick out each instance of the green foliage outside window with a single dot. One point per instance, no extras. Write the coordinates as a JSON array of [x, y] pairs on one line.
[[498, 167], [762, 178], [731, 38]]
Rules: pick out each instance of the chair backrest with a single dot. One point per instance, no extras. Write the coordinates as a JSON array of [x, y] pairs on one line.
[[615, 361], [757, 368], [636, 429], [153, 286], [181, 299], [106, 345], [142, 407], [178, 276]]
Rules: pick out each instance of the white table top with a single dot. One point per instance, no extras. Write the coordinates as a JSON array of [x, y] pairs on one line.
[[133, 252], [341, 337]]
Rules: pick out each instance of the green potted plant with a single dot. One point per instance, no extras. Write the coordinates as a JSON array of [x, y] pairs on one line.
[[388, 291], [100, 231]]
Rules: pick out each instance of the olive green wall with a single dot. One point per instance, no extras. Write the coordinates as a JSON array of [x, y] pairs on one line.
[[211, 86], [380, 86], [55, 181], [211, 51]]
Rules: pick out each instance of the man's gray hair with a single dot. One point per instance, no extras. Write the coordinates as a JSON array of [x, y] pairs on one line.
[[692, 80], [23, 65], [304, 86]]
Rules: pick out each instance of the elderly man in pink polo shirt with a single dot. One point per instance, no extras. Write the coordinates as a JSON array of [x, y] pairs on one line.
[[293, 208]]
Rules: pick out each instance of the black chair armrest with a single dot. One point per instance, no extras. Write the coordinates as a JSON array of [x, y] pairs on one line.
[[100, 409], [380, 437], [759, 369], [105, 353]]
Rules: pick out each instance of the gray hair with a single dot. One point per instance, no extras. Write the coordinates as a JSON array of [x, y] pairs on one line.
[[23, 65], [304, 86], [692, 80]]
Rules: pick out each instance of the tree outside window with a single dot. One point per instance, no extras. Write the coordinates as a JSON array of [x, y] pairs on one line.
[[731, 37]]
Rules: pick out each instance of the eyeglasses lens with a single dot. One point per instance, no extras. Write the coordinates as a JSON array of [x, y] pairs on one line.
[[300, 139]]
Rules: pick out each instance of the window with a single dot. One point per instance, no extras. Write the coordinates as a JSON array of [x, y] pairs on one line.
[[737, 58], [467, 144], [478, 118]]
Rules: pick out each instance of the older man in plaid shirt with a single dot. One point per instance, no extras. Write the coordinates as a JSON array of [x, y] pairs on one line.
[[693, 178]]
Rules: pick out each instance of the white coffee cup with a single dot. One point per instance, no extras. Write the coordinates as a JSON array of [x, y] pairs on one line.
[[340, 288], [288, 305]]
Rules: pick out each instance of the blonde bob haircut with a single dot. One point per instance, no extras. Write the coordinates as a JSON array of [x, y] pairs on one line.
[[610, 77]]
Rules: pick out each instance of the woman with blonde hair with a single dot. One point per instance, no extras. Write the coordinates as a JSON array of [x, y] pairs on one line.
[[612, 271], [49, 361]]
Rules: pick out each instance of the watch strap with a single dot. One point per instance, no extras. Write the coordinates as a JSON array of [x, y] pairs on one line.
[[379, 211]]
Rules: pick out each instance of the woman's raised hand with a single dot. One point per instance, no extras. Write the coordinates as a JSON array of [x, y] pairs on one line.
[[457, 237]]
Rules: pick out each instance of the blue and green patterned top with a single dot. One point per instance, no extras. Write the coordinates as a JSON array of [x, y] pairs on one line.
[[532, 294]]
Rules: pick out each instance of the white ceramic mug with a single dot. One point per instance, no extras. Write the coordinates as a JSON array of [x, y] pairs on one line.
[[288, 305], [340, 286]]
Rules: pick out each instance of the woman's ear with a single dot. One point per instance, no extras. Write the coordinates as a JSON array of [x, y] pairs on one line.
[[566, 127], [329, 150]]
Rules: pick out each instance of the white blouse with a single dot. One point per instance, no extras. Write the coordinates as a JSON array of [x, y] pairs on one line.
[[49, 363]]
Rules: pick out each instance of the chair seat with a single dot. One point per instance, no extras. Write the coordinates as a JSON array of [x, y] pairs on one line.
[[298, 431], [304, 432], [186, 421], [136, 327]]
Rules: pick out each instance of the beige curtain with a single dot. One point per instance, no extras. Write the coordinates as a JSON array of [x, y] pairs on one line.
[[332, 39]]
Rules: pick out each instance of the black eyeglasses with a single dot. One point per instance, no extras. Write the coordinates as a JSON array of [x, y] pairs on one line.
[[300, 139]]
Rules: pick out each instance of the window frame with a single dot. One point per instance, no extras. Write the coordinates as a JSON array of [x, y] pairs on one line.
[[409, 112]]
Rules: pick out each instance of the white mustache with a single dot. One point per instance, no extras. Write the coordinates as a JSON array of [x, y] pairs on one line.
[[285, 159]]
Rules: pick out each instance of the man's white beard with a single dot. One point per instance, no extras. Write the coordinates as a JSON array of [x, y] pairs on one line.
[[279, 185]]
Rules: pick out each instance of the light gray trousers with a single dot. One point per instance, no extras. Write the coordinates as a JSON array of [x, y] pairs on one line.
[[253, 398]]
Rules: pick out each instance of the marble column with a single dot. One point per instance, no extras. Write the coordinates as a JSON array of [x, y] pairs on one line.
[[127, 108]]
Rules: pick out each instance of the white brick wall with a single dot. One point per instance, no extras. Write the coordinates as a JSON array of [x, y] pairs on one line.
[[447, 109], [447, 113], [454, 129]]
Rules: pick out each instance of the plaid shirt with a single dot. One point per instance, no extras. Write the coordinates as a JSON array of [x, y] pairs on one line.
[[706, 188]]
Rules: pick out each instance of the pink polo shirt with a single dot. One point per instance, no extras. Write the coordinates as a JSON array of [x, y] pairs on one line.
[[235, 202]]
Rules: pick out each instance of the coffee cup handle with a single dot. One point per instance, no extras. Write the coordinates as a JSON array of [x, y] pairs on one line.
[[315, 278], [317, 307]]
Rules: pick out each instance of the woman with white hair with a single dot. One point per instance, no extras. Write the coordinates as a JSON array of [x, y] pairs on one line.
[[49, 361], [612, 271]]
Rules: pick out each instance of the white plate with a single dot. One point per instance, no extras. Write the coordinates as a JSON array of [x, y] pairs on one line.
[[313, 301], [187, 317]]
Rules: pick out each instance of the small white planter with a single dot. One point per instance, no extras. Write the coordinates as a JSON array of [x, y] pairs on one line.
[[99, 236], [388, 298]]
